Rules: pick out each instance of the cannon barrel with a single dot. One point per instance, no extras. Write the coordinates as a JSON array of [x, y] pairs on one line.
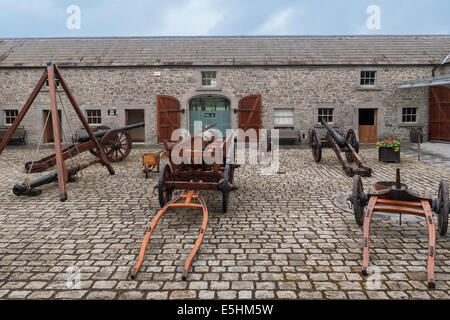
[[20, 189], [340, 140], [101, 133]]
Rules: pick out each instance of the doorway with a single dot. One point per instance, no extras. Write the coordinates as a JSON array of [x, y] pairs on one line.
[[132, 117], [368, 125], [210, 110], [48, 129]]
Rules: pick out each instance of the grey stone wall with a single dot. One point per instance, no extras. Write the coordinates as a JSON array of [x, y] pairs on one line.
[[302, 88]]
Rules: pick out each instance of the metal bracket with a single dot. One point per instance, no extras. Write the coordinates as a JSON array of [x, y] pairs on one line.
[[181, 111], [242, 110]]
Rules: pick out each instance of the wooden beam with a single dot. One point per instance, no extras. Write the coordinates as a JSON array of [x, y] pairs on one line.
[[103, 158], [23, 111], [60, 165]]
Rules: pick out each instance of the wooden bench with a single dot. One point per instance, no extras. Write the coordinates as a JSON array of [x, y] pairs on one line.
[[288, 134], [18, 136]]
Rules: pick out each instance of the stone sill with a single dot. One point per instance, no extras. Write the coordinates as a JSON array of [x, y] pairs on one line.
[[368, 89], [412, 125], [209, 89]]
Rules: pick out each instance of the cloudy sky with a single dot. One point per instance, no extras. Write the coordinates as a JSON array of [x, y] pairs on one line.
[[49, 18]]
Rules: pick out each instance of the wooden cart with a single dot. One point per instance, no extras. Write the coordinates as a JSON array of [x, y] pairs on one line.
[[191, 170], [396, 197], [151, 161]]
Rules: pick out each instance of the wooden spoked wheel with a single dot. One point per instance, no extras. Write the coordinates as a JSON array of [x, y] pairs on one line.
[[165, 192], [443, 208], [94, 150], [352, 139], [316, 145], [225, 186], [117, 145], [356, 199]]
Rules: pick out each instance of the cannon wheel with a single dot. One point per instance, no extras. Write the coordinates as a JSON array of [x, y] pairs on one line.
[[316, 145], [352, 139], [227, 179], [117, 145], [94, 150], [443, 208], [165, 193], [358, 208]]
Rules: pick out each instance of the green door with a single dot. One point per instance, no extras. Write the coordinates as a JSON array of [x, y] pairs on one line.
[[210, 110]]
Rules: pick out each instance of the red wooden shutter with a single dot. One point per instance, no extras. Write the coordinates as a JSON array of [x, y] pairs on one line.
[[439, 114], [168, 110], [249, 113]]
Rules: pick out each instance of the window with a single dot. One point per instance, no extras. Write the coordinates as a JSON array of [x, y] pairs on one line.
[[209, 78], [94, 116], [409, 115], [284, 117], [325, 114], [368, 78], [10, 116]]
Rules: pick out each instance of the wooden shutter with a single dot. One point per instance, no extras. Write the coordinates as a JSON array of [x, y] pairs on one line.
[[168, 110], [249, 113], [439, 114]]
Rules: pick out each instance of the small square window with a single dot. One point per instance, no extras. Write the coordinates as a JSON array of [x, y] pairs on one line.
[[368, 78], [325, 114], [94, 116], [409, 115], [284, 117], [10, 116], [209, 78]]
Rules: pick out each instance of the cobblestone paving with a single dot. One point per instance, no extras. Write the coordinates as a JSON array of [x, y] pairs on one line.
[[283, 237]]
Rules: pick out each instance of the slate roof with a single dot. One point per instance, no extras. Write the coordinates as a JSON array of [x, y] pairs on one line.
[[225, 51]]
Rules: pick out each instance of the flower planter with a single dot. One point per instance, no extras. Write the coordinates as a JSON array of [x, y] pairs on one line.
[[388, 155]]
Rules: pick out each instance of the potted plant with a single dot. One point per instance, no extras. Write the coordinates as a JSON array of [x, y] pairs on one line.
[[388, 150]]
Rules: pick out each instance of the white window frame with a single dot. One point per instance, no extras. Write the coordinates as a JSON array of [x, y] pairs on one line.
[[402, 114], [290, 116], [213, 80], [90, 117], [368, 78], [5, 116], [332, 115]]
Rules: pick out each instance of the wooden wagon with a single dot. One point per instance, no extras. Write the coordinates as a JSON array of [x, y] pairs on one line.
[[198, 162]]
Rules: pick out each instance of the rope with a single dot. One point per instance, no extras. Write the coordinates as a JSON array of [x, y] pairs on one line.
[[39, 142], [72, 132]]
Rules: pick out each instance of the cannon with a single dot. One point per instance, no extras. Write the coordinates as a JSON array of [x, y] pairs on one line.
[[192, 175], [395, 197], [116, 144], [27, 187], [346, 149]]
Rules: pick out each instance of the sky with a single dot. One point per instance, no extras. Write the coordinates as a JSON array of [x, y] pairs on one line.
[[58, 18]]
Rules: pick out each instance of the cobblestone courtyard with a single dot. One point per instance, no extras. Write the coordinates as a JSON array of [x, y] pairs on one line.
[[282, 238]]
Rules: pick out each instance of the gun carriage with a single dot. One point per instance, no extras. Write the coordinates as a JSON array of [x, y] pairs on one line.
[[116, 144], [196, 163], [346, 149], [397, 198]]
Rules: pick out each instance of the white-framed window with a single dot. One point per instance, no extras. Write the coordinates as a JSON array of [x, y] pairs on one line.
[[94, 116], [10, 116], [284, 117], [325, 114], [409, 115], [209, 78], [368, 78]]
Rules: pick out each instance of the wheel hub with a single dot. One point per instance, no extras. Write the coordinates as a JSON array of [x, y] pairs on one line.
[[117, 145]]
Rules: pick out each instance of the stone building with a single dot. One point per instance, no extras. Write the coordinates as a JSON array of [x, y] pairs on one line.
[[377, 84]]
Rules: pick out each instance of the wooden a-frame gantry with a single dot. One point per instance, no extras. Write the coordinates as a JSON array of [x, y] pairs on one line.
[[50, 74]]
